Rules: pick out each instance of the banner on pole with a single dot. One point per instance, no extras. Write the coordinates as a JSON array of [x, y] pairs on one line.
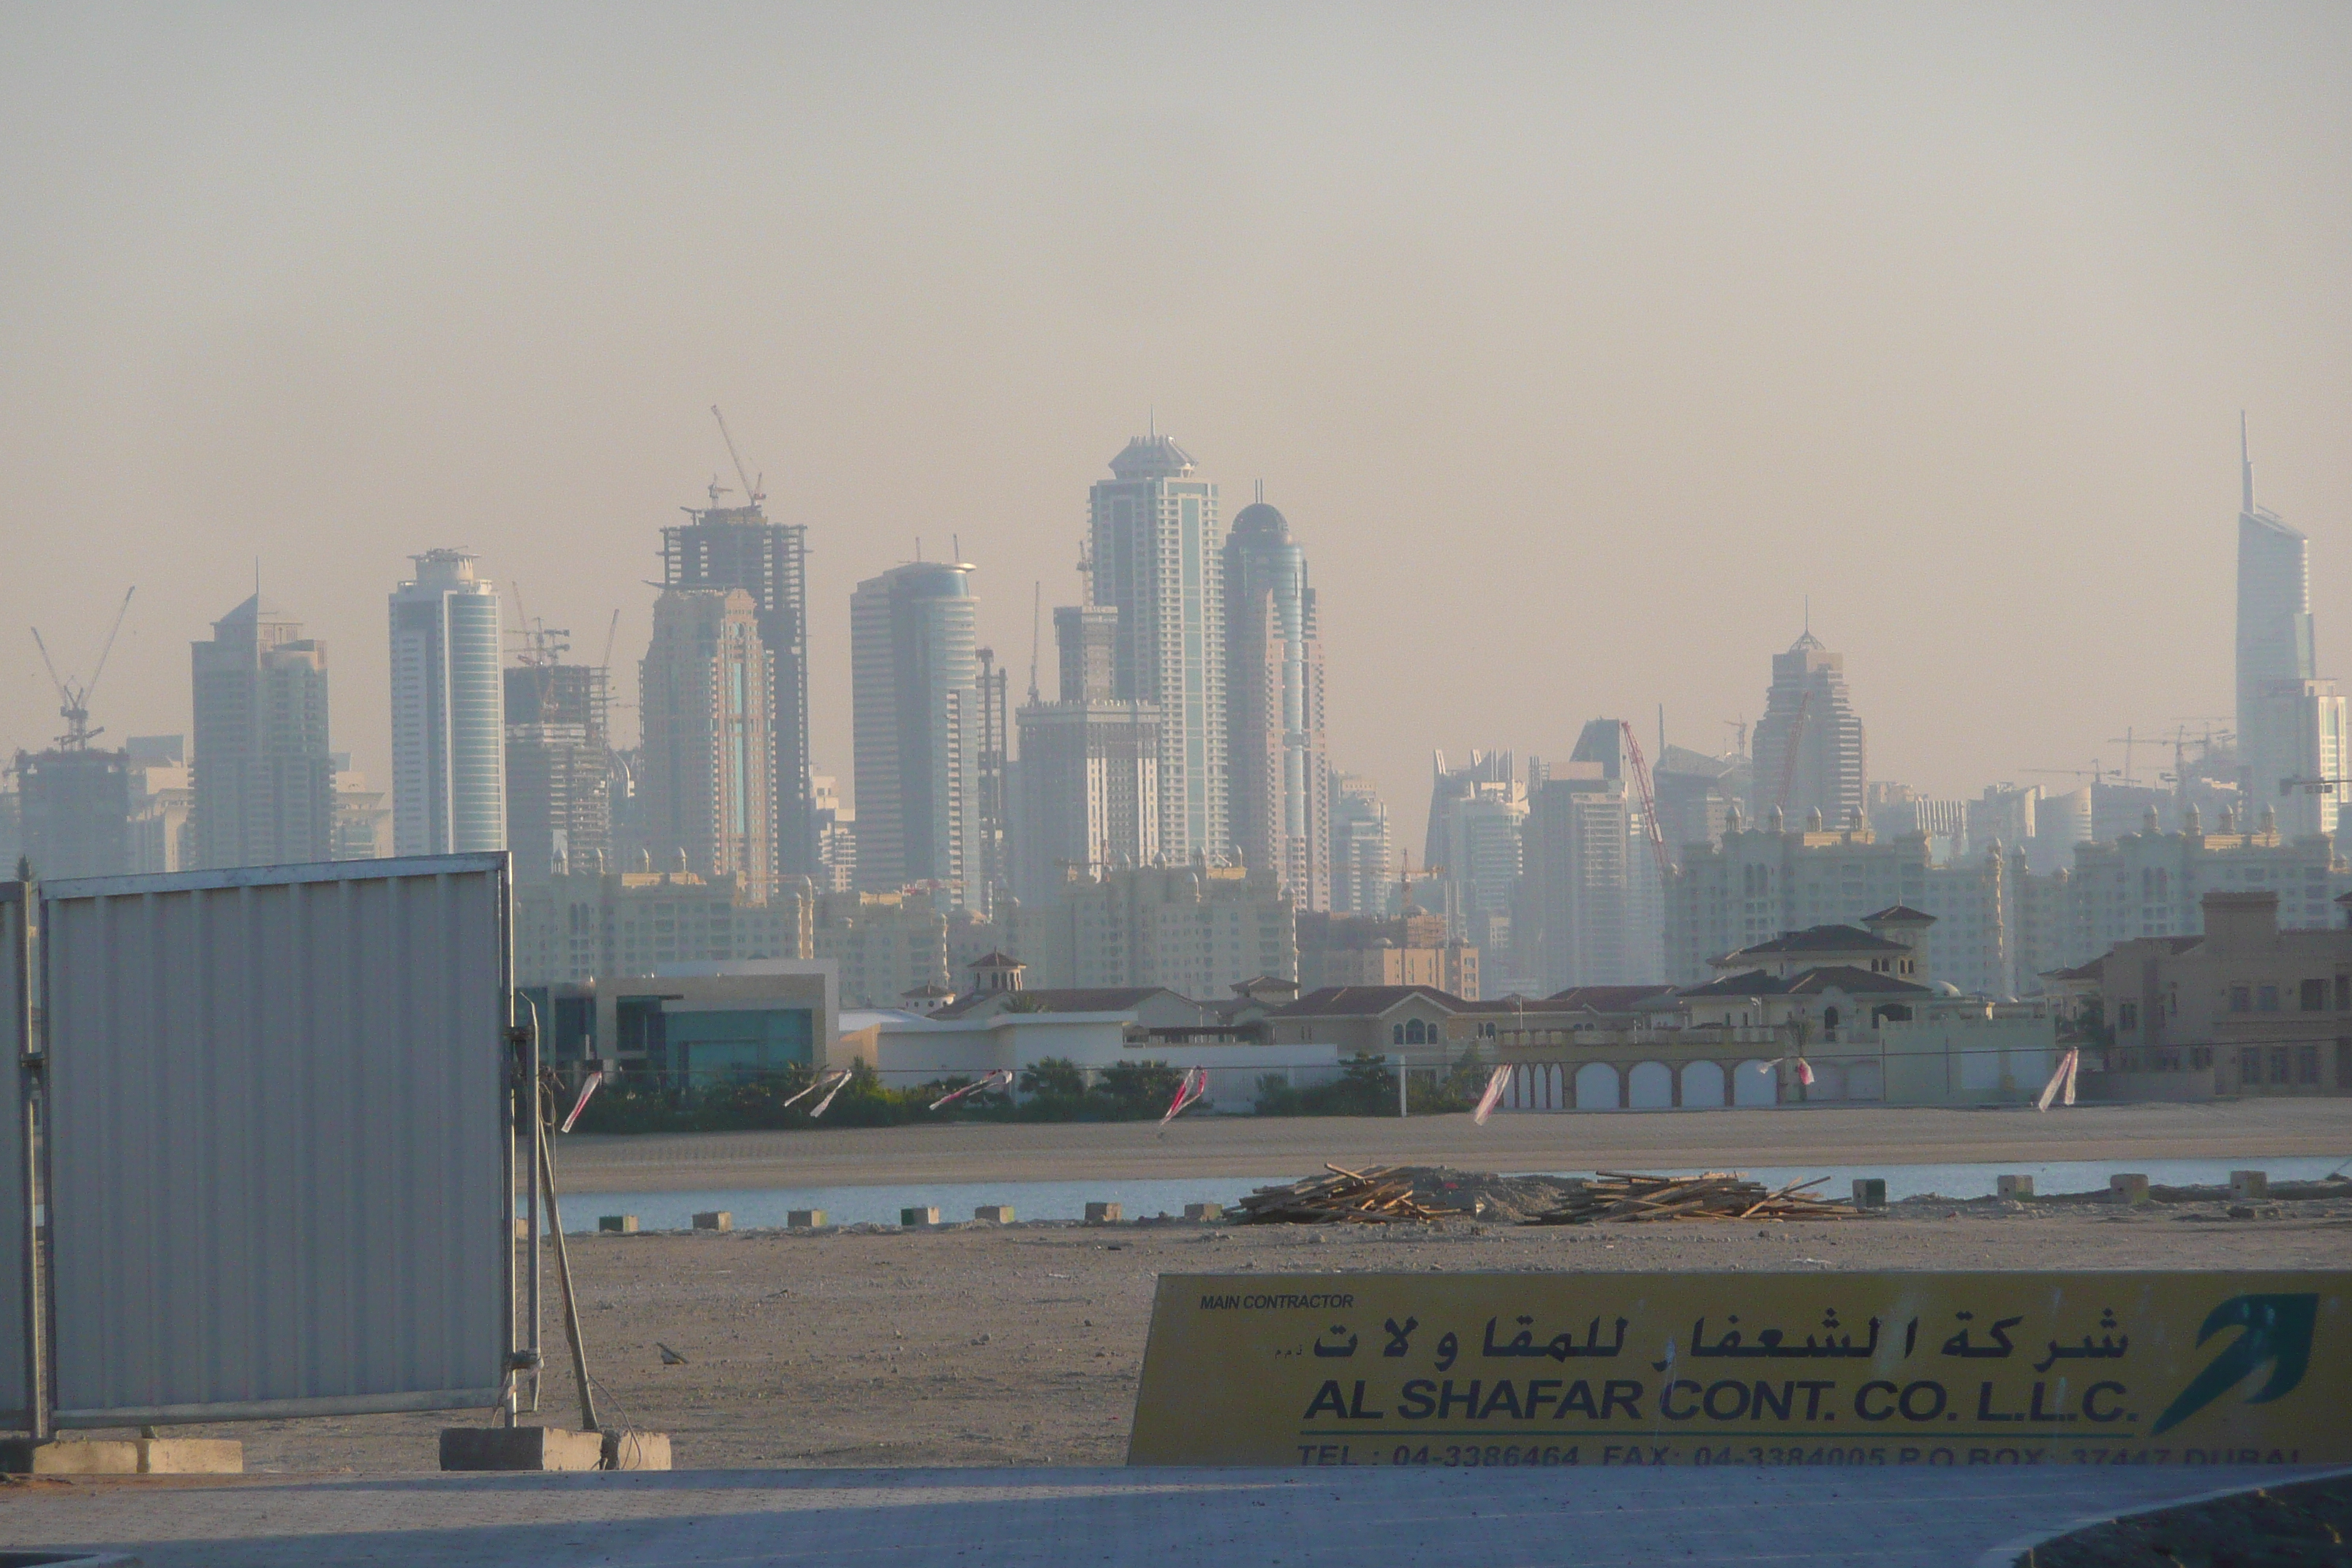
[[1896, 1368]]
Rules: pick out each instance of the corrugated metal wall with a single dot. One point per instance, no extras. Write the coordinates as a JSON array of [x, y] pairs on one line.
[[276, 1162], [13, 1013]]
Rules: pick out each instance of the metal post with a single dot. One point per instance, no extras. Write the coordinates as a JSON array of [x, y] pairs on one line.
[[507, 1035], [564, 1275], [1402, 1112], [536, 1112], [28, 1078]]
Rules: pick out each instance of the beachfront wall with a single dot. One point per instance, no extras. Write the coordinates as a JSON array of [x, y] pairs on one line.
[[1959, 1061], [277, 1155], [1988, 1061], [906, 1049]]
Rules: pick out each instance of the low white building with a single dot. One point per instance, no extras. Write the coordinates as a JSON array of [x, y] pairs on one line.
[[1092, 1029]]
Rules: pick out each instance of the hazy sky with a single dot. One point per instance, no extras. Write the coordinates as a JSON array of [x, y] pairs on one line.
[[1578, 343]]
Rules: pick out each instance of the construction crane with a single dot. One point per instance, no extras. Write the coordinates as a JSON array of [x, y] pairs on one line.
[[1036, 619], [1788, 750], [73, 701], [2127, 739], [1655, 833], [753, 494]]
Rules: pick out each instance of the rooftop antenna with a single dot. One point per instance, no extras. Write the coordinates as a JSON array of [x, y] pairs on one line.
[[1261, 492], [919, 547], [1152, 422], [1036, 618], [955, 544], [2245, 464]]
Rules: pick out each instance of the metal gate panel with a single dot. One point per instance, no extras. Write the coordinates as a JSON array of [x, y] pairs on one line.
[[16, 1218], [278, 1164]]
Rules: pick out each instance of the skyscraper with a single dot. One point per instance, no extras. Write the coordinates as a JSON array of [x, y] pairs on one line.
[[2276, 649], [1590, 901], [1279, 761], [2306, 744], [915, 693], [77, 811], [1809, 745], [448, 711], [737, 547], [1361, 857], [1090, 774], [1154, 557], [701, 777], [263, 777], [1475, 817], [559, 768]]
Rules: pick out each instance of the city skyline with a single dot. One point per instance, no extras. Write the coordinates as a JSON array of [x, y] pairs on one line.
[[1955, 347]]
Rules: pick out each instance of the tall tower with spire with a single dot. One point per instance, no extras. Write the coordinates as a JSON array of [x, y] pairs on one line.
[[1810, 744], [1279, 763], [2274, 629], [2292, 739], [1157, 554]]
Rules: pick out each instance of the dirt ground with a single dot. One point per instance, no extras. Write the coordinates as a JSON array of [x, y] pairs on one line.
[[1021, 1345], [1286, 1146]]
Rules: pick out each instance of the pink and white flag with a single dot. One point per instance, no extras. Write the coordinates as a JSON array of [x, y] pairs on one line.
[[587, 1091], [1001, 1079], [840, 1082], [834, 1078], [2062, 1080], [1804, 1072], [1497, 1082], [1195, 1084]]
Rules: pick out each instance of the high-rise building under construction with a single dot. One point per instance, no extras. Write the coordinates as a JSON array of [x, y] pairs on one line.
[[736, 547], [559, 768]]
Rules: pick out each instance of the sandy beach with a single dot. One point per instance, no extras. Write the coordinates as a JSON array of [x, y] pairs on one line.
[[1288, 1146], [1020, 1345]]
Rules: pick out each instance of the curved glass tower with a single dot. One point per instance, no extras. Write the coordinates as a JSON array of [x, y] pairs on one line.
[[448, 711]]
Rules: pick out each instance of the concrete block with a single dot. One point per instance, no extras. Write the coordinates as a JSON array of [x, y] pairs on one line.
[[1205, 1211], [995, 1213], [2013, 1187], [521, 1228], [804, 1219], [191, 1457], [2250, 1186], [618, 1223], [1870, 1191], [1103, 1214], [714, 1219], [626, 1449], [520, 1449], [914, 1218], [2131, 1187], [23, 1457]]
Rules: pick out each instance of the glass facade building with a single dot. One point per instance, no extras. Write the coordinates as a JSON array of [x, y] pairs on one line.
[[448, 711]]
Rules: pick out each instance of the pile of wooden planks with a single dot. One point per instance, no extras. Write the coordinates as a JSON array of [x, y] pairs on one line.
[[1716, 1195], [1375, 1196]]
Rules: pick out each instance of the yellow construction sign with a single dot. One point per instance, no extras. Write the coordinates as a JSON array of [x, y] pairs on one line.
[[1516, 1370]]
